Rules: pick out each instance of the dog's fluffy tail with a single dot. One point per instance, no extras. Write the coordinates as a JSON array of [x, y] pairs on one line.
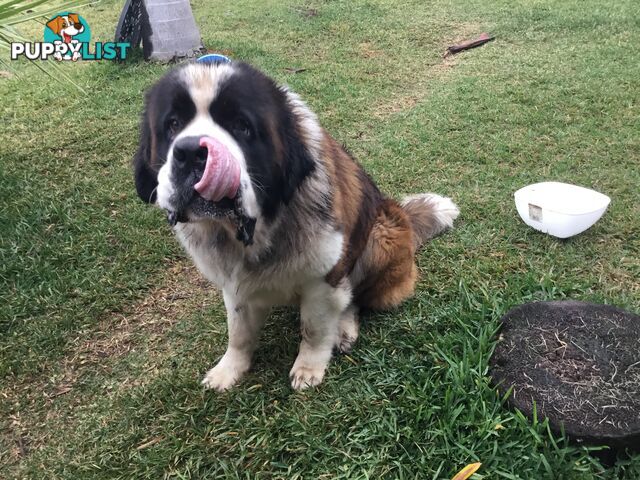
[[430, 215]]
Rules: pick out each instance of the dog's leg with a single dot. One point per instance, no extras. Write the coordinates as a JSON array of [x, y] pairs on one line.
[[244, 322], [349, 329], [321, 307]]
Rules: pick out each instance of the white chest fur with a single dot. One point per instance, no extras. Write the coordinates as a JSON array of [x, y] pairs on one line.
[[277, 272]]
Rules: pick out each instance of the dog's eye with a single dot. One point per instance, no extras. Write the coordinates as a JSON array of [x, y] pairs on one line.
[[173, 126], [241, 127]]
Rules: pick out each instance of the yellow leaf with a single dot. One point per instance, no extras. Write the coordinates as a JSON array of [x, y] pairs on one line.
[[467, 471], [499, 427]]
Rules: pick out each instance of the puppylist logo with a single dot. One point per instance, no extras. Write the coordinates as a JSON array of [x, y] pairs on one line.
[[66, 37]]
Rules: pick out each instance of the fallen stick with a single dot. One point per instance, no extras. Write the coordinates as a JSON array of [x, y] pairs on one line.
[[481, 40]]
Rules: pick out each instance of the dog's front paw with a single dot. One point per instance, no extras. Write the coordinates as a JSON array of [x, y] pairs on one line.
[[222, 377], [305, 376]]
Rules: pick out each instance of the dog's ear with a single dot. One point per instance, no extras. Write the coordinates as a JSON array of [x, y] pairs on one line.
[[146, 178], [74, 18], [298, 164], [55, 24]]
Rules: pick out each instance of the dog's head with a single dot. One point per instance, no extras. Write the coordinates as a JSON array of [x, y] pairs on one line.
[[199, 115], [66, 26]]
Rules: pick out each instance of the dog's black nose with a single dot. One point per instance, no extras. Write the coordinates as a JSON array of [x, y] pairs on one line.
[[187, 151]]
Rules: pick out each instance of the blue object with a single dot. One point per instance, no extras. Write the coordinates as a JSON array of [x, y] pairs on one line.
[[213, 59]]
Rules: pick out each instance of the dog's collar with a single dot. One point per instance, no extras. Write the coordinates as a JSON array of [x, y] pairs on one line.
[[213, 59]]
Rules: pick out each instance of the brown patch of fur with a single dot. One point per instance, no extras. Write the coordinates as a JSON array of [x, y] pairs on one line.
[[389, 270], [378, 234], [278, 147], [356, 200]]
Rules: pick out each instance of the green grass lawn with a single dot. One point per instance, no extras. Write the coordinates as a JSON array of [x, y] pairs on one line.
[[106, 329]]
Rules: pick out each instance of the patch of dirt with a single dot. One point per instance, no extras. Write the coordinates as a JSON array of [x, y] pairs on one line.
[[368, 50], [464, 31], [579, 363], [143, 324], [414, 91], [306, 12], [117, 333]]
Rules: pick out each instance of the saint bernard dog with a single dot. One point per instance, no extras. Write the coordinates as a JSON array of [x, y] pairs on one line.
[[274, 211]]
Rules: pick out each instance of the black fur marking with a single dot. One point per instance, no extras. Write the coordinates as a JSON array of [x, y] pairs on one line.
[[168, 100], [145, 178], [174, 217], [245, 230], [252, 109]]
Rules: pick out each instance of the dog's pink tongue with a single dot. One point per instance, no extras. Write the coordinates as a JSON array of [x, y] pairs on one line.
[[221, 177]]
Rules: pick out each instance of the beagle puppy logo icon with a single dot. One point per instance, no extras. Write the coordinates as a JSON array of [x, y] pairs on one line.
[[69, 31], [66, 37]]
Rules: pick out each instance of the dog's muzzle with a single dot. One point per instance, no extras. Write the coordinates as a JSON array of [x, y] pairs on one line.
[[207, 185]]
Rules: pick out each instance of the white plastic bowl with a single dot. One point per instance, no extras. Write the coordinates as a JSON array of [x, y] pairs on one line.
[[560, 209]]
